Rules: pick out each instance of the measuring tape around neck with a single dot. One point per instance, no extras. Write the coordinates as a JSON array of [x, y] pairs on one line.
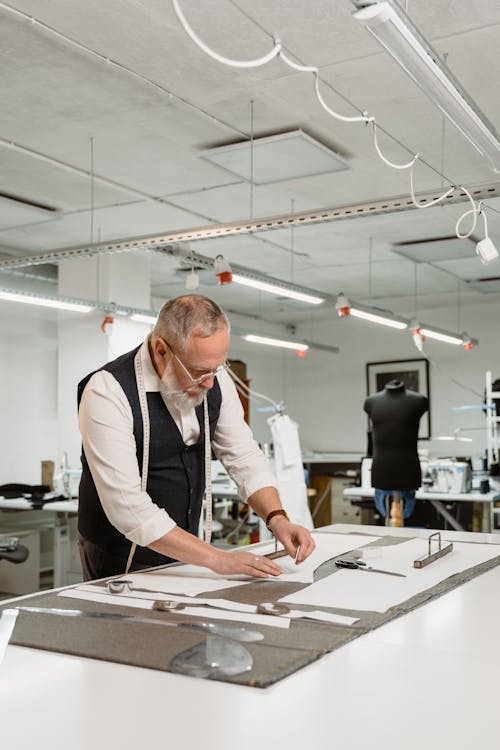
[[143, 401]]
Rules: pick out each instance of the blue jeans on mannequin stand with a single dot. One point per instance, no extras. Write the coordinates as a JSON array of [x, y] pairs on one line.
[[407, 496]]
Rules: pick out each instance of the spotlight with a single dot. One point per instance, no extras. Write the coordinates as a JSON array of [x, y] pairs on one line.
[[342, 306], [468, 343], [418, 337], [223, 270], [486, 251]]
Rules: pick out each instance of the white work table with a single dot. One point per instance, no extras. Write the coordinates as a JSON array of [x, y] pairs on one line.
[[426, 680], [437, 499]]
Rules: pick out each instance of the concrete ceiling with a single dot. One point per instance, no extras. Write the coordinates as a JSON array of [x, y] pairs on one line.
[[150, 119]]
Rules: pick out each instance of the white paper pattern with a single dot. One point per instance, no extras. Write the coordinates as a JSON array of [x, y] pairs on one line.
[[364, 590], [101, 594], [206, 612]]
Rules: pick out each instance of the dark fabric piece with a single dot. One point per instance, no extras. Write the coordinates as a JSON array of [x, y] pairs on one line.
[[281, 653], [176, 476], [395, 416]]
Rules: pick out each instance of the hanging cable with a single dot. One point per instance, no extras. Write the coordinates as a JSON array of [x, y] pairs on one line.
[[365, 118], [407, 165], [475, 211], [225, 60], [249, 391], [429, 203]]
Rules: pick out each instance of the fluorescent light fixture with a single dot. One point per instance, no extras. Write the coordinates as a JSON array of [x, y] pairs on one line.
[[452, 438], [282, 291], [43, 301], [394, 31], [140, 318], [295, 345], [446, 338], [381, 319]]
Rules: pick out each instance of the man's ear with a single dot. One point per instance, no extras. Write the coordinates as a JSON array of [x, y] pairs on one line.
[[159, 347]]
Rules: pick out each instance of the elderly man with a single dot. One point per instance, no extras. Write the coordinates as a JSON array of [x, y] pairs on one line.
[[144, 420]]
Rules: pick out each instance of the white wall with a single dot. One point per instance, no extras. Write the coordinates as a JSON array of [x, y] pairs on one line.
[[326, 395], [323, 392], [28, 392]]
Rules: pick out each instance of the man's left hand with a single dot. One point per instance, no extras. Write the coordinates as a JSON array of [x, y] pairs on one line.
[[292, 537]]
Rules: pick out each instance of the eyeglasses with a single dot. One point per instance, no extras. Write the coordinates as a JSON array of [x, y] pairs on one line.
[[203, 376]]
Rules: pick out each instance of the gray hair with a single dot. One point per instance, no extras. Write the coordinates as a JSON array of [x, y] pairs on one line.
[[189, 314]]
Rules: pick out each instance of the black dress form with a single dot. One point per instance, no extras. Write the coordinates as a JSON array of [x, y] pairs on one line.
[[395, 415]]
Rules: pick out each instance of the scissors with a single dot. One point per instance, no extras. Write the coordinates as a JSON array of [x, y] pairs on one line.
[[361, 565]]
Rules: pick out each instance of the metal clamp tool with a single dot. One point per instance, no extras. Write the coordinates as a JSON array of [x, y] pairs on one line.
[[430, 557]]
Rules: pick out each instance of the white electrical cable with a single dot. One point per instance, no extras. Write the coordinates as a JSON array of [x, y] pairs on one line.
[[430, 203], [408, 164], [248, 391], [225, 60], [296, 66], [475, 211], [364, 118], [343, 118]]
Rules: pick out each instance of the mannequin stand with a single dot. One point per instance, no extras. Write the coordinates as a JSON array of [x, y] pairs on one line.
[[394, 510]]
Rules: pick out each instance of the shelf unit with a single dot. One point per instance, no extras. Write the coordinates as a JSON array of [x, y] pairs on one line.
[[491, 420], [492, 444]]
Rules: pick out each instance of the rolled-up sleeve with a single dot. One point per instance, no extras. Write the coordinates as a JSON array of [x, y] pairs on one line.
[[235, 446], [106, 425]]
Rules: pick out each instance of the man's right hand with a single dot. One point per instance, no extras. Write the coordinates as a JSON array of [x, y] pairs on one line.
[[244, 563]]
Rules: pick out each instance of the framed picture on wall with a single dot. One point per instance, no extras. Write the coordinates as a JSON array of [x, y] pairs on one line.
[[414, 373]]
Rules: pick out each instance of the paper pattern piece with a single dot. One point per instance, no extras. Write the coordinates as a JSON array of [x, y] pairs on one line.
[[205, 612], [170, 583], [366, 591], [327, 546], [101, 594]]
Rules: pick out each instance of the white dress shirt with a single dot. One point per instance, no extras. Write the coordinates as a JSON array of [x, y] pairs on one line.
[[106, 424]]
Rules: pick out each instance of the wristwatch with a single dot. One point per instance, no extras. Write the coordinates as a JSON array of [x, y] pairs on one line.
[[278, 512]]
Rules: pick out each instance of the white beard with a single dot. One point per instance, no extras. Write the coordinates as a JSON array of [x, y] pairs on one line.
[[172, 395]]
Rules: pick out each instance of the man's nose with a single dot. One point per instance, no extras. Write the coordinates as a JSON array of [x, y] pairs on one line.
[[208, 382]]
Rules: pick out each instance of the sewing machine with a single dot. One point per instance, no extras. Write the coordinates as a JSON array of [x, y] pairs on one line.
[[447, 475]]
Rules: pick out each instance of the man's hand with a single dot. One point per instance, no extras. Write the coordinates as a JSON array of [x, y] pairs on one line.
[[292, 536], [244, 563]]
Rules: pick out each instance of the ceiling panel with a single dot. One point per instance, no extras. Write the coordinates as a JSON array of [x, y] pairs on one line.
[[148, 143]]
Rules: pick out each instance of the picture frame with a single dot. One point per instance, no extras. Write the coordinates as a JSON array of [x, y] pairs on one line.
[[414, 373]]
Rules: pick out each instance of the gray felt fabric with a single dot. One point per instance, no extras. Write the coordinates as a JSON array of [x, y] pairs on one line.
[[281, 653]]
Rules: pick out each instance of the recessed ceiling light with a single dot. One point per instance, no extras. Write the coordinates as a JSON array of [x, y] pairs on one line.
[[276, 158], [436, 249]]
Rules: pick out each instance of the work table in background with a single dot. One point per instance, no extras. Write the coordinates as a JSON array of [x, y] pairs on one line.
[[439, 499]]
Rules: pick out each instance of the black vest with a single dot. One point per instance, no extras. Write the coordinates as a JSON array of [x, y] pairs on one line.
[[176, 475]]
